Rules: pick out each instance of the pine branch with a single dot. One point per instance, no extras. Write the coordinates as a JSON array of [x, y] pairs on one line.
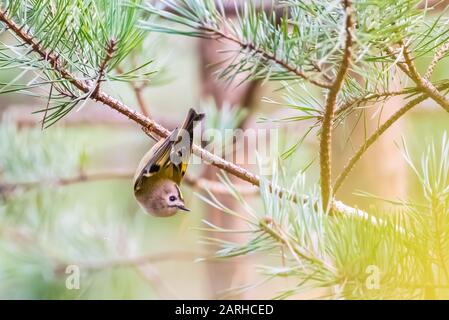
[[268, 56], [149, 125], [426, 86], [30, 240], [439, 55], [80, 178], [204, 29], [329, 110], [371, 97], [111, 47], [199, 184], [428, 89], [268, 226], [373, 138]]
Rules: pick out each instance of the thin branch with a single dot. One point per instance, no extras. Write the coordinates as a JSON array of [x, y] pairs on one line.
[[140, 100], [426, 86], [268, 56], [373, 138], [371, 97], [429, 91], [102, 69], [329, 110], [149, 125], [439, 55], [266, 226], [82, 177], [357, 156], [202, 183]]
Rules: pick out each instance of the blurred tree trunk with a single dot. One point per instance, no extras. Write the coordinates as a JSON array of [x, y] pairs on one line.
[[230, 273]]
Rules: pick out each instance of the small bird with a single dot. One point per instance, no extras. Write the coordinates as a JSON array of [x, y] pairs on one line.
[[159, 174]]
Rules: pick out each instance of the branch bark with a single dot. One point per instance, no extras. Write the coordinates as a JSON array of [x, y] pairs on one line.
[[329, 110], [409, 68]]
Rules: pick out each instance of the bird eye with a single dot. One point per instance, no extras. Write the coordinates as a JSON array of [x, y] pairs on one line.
[[172, 198]]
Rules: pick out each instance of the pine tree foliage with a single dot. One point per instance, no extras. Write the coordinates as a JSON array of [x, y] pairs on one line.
[[85, 38], [303, 42], [350, 54], [392, 255], [304, 38]]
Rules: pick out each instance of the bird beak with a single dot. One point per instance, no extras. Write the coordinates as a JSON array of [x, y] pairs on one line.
[[182, 207]]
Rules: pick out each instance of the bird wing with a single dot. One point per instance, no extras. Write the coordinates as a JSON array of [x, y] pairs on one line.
[[157, 161]]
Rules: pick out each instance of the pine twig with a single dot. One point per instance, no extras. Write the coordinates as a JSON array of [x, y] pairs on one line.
[[429, 90], [202, 183], [425, 85], [271, 57], [266, 225], [266, 55], [102, 69], [370, 97], [373, 138], [408, 67], [82, 177], [439, 55], [329, 111]]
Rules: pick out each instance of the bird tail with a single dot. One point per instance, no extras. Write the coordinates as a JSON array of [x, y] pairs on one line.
[[191, 119], [182, 147]]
